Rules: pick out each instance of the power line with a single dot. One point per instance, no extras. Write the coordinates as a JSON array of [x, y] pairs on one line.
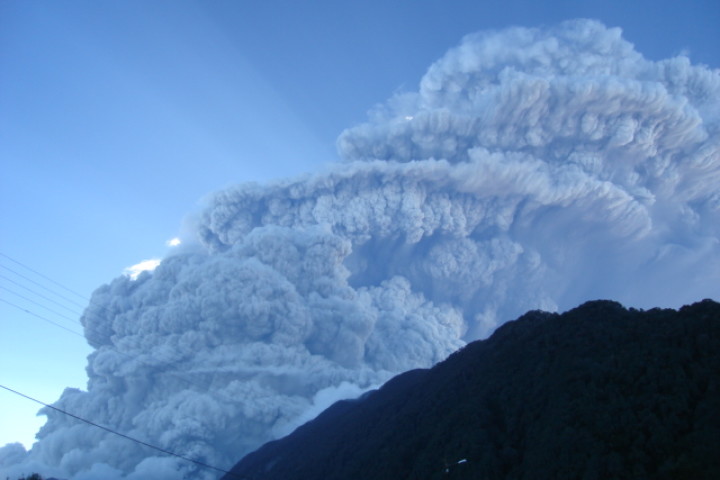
[[92, 335], [12, 292], [43, 276], [24, 287], [91, 332], [91, 312], [85, 307], [41, 285], [127, 437], [40, 303], [43, 318], [89, 338]]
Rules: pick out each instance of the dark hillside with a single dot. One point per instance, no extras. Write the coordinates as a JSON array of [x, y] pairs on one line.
[[597, 392]]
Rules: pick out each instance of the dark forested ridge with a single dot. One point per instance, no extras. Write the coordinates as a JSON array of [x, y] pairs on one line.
[[597, 392]]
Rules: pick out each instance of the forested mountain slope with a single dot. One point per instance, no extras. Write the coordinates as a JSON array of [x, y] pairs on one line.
[[597, 392]]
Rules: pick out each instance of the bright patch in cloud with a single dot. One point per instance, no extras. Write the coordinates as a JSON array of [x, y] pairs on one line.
[[134, 271], [173, 242]]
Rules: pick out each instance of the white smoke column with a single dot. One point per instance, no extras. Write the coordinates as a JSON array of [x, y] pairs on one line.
[[532, 169]]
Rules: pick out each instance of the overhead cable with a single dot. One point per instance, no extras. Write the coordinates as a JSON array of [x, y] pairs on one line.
[[42, 318], [114, 432], [44, 276]]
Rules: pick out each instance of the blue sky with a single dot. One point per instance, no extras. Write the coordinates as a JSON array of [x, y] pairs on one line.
[[116, 118]]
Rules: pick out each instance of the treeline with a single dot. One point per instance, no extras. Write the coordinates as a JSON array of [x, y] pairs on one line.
[[597, 392]]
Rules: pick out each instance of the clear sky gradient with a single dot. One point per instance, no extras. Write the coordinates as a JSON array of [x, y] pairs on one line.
[[117, 117]]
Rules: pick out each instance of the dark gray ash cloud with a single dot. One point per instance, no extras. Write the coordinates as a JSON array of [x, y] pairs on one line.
[[533, 168]]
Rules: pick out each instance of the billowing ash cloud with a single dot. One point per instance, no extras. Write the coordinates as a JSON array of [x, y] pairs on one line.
[[532, 169]]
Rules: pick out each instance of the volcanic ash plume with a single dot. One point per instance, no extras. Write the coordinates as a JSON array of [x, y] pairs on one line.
[[532, 169]]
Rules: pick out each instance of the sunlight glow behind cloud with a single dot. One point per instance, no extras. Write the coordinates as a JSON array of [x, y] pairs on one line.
[[134, 271]]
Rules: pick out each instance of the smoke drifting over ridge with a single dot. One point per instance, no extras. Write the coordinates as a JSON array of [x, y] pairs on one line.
[[532, 169]]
